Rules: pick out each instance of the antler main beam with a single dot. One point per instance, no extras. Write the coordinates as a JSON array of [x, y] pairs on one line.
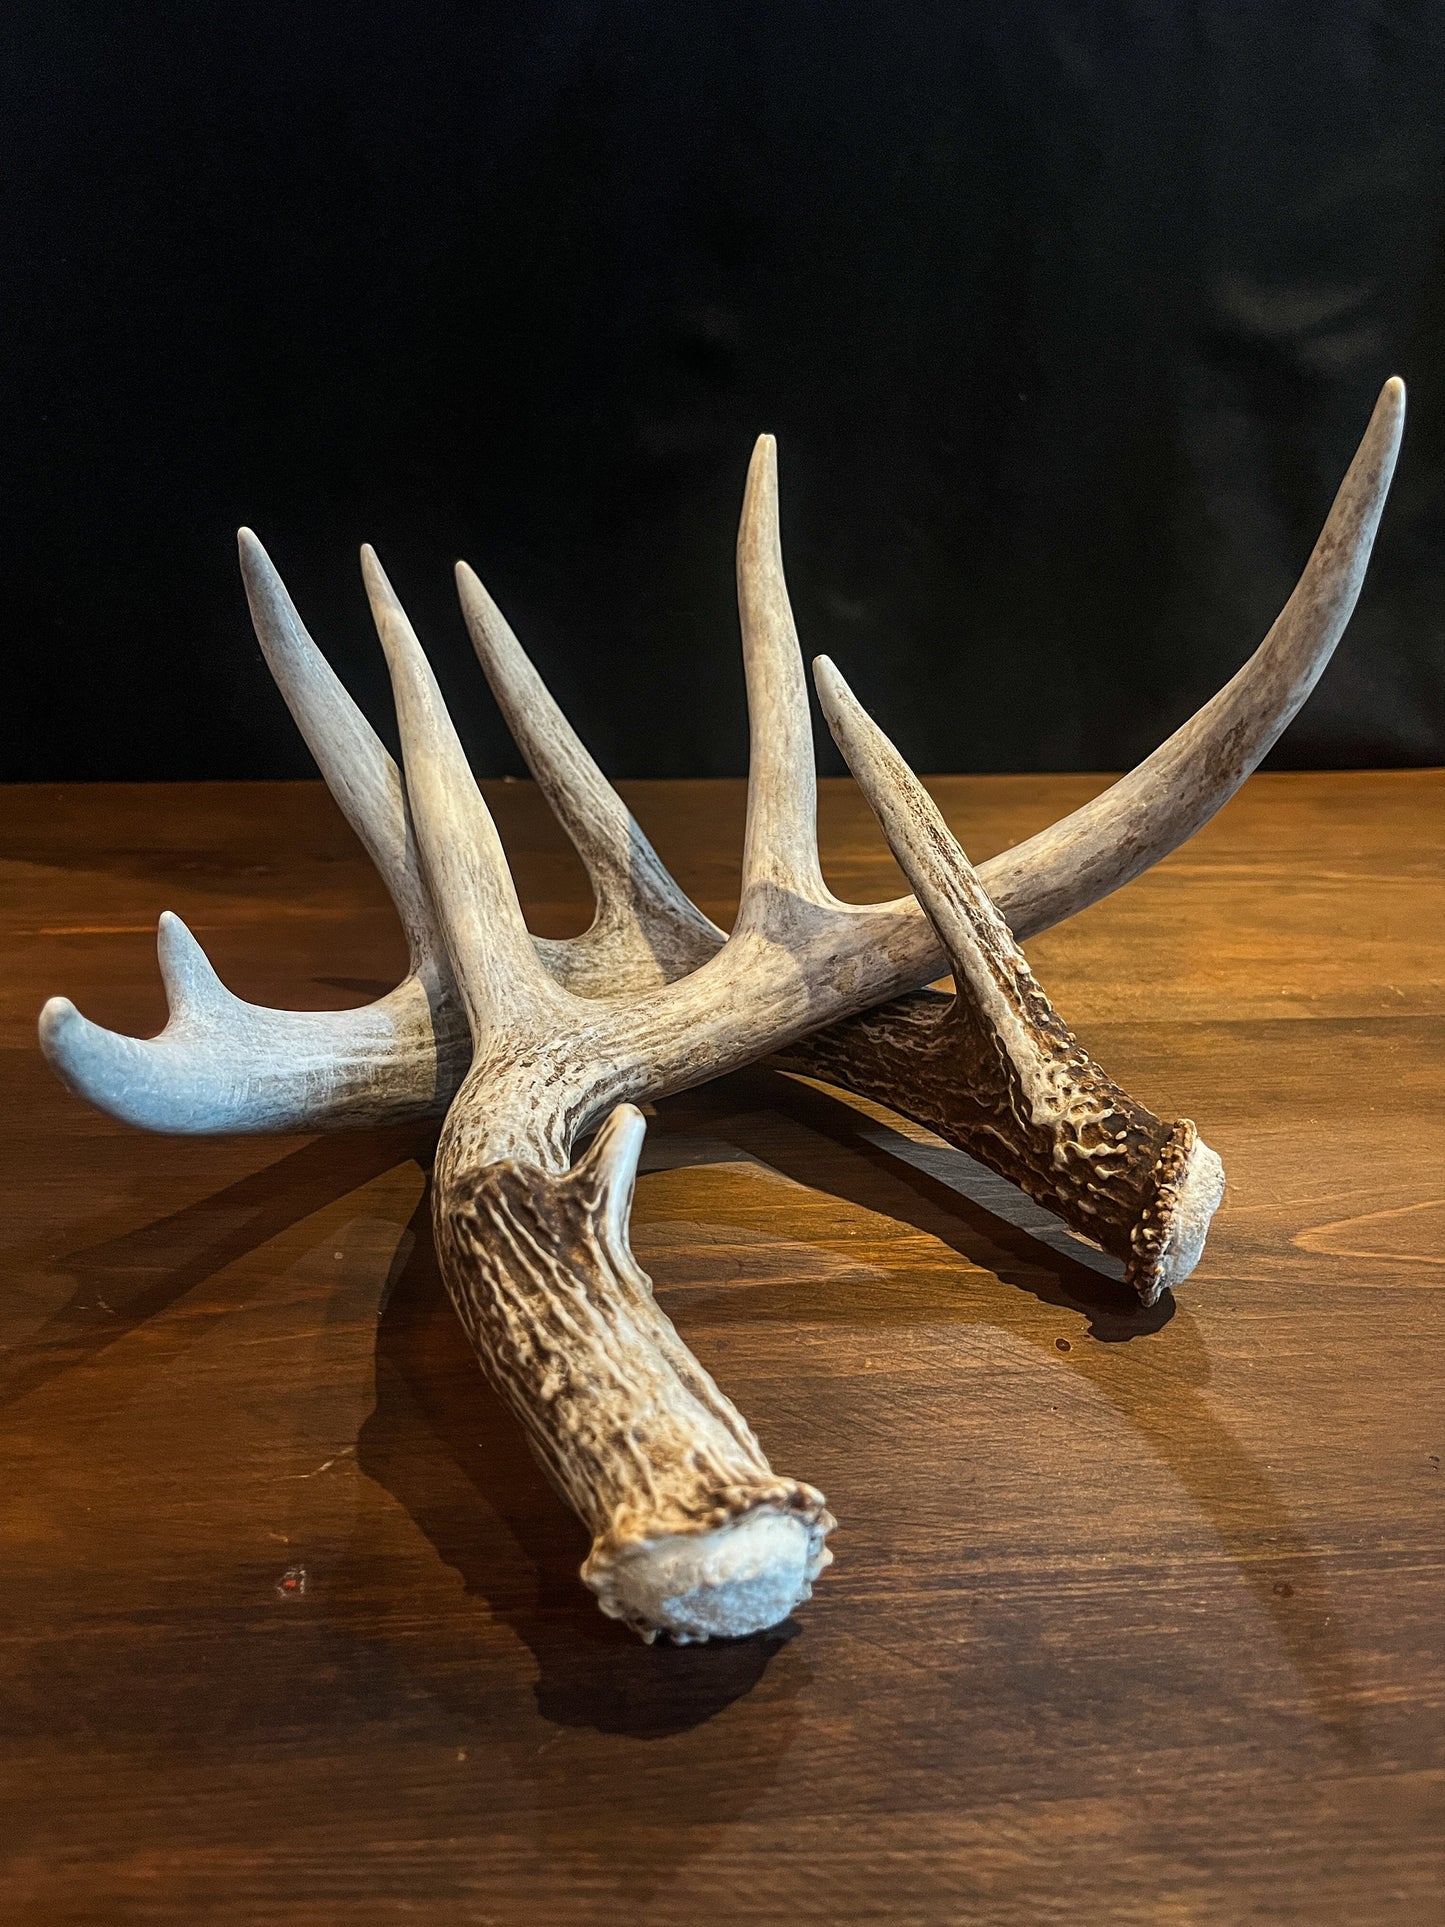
[[224, 1065], [693, 1533]]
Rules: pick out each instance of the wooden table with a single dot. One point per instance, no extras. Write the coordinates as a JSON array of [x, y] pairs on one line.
[[1134, 1618]]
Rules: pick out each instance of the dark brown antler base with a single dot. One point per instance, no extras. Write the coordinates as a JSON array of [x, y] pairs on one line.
[[994, 1069], [1141, 1189], [693, 1533]]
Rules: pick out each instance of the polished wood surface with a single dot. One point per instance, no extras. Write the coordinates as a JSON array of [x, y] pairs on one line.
[[1135, 1617]]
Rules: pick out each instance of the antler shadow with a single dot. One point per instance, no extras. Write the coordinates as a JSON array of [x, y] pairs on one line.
[[444, 1446], [823, 1142]]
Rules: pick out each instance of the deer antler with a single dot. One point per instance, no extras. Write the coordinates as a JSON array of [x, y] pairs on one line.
[[223, 1065], [692, 1532], [994, 1069]]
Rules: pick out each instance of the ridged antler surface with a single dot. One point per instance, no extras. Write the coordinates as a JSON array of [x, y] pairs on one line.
[[693, 1532]]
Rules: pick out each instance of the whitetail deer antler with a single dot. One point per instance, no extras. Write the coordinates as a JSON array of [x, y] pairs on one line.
[[693, 1534], [993, 1068], [224, 1065]]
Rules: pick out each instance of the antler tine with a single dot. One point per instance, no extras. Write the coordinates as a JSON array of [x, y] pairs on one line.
[[919, 838], [502, 982], [780, 855], [1162, 802], [359, 771], [998, 1073], [780, 847], [640, 909], [222, 1064]]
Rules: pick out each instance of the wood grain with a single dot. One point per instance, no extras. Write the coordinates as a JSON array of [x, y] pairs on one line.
[[1135, 1617]]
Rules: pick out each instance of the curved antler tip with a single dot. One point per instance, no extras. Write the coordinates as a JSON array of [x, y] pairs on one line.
[[192, 987], [759, 543], [763, 467], [82, 1054], [174, 937], [617, 1144], [1389, 411], [831, 684], [611, 1163], [472, 591], [58, 1017], [375, 579], [253, 557]]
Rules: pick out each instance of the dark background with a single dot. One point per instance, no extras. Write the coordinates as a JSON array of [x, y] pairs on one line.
[[1068, 318]]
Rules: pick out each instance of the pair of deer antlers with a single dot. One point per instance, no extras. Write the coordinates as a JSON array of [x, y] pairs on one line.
[[527, 1044]]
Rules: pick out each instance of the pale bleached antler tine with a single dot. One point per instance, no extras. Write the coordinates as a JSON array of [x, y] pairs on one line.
[[502, 982], [640, 909], [920, 840], [995, 1070], [222, 1064], [1170, 795], [358, 770], [780, 848]]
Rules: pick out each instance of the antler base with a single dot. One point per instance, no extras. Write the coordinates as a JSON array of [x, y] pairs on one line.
[[694, 1534]]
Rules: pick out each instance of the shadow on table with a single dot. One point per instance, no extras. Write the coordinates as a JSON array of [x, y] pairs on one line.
[[825, 1142], [123, 1282], [441, 1442]]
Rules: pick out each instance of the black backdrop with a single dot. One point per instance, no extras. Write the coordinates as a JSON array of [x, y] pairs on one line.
[[1067, 317]]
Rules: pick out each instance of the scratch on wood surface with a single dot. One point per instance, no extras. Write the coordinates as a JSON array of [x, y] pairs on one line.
[[348, 1451]]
